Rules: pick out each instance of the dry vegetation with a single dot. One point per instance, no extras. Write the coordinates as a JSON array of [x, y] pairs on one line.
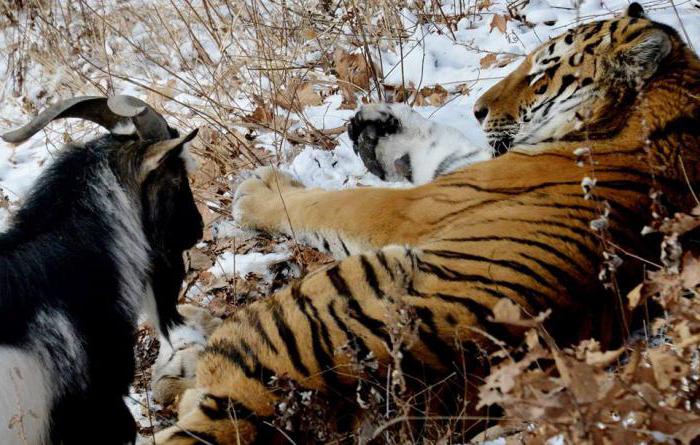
[[222, 65]]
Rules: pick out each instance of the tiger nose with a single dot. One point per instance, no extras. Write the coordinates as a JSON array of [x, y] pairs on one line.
[[480, 112]]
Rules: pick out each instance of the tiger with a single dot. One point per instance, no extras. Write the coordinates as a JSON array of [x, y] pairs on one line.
[[595, 134]]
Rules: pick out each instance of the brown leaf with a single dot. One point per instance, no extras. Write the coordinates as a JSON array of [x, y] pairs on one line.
[[690, 274], [634, 297], [488, 61], [297, 95], [667, 367], [433, 96], [463, 89], [499, 21], [483, 4], [308, 33], [681, 223], [198, 260], [603, 359], [354, 73], [579, 377]]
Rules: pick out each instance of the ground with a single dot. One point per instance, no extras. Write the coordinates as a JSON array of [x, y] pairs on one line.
[[268, 83]]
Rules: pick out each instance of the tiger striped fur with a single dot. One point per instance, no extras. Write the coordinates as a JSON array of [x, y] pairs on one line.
[[516, 227]]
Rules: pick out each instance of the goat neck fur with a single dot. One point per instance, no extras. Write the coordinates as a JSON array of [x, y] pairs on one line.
[[99, 239]]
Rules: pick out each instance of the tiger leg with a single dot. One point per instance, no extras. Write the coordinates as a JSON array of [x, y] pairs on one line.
[[298, 333], [363, 301], [339, 222]]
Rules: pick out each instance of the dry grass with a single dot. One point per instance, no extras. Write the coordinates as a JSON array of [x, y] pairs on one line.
[[243, 69]]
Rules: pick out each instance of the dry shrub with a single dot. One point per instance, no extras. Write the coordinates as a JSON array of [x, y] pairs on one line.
[[645, 392], [240, 69]]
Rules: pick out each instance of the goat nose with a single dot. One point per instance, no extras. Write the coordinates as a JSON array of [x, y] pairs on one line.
[[480, 112]]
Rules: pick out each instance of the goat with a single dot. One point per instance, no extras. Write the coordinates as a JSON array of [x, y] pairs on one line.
[[98, 240]]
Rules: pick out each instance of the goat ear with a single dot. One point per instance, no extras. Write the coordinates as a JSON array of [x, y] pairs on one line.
[[639, 59], [156, 153]]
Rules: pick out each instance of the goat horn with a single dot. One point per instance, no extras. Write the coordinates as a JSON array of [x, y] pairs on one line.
[[106, 112], [91, 108], [149, 124]]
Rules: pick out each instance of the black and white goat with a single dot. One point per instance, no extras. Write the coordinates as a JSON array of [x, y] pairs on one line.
[[98, 240]]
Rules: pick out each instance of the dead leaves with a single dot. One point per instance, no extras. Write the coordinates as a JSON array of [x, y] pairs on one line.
[[681, 266], [431, 96], [650, 395], [434, 96], [354, 73], [500, 22], [298, 94], [493, 60]]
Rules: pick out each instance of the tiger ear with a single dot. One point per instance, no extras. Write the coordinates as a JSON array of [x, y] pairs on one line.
[[639, 59]]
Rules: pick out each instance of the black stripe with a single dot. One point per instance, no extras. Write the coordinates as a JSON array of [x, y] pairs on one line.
[[260, 371], [594, 31], [527, 242], [512, 191], [371, 276], [680, 125], [565, 82], [507, 264], [633, 35], [592, 256], [225, 409], [590, 48], [572, 285], [289, 339], [255, 322], [354, 339], [482, 313], [237, 358], [385, 264], [342, 244], [321, 354], [376, 327], [551, 71], [431, 338], [232, 353], [536, 299]]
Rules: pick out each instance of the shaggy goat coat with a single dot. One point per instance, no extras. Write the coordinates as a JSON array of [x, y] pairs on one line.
[[96, 242]]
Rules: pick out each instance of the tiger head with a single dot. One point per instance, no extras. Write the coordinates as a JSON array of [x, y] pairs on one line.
[[578, 84]]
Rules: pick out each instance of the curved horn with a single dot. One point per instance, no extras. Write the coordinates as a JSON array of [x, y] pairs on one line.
[[149, 124], [106, 112], [92, 108]]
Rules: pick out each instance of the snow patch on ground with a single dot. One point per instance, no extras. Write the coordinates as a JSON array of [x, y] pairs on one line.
[[230, 264]]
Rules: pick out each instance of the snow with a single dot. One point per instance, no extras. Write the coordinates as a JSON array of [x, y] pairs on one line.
[[431, 55], [229, 264], [556, 440]]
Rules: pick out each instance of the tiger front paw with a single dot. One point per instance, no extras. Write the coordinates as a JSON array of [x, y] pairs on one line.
[[259, 200]]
